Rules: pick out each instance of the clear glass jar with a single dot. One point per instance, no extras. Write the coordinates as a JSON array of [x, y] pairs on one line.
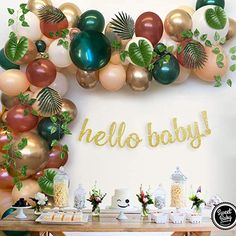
[[61, 189], [178, 189], [160, 197], [80, 198]]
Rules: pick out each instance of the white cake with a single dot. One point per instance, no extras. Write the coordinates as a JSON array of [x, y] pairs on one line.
[[121, 199]]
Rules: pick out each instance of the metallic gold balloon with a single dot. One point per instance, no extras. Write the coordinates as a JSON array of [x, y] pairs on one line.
[[232, 29], [87, 79], [72, 13], [35, 5], [34, 155], [70, 107], [138, 78], [8, 102], [188, 9], [176, 22]]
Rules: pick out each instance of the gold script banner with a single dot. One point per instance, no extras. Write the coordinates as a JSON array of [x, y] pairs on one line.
[[115, 136]]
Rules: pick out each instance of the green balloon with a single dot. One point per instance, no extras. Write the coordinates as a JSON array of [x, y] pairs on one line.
[[5, 63], [202, 3], [91, 20], [90, 50], [41, 45], [166, 72], [45, 130]]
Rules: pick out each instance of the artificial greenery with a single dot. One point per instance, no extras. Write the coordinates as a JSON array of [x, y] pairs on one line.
[[51, 14], [123, 25]]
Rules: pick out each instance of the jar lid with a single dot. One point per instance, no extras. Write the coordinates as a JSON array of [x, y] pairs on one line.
[[178, 176]]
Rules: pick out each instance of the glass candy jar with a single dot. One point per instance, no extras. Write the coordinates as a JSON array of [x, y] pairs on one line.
[[160, 197], [80, 197], [178, 189], [61, 189]]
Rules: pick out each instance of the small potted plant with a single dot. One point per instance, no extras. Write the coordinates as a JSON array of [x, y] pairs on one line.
[[40, 200], [96, 197], [198, 202], [145, 200]]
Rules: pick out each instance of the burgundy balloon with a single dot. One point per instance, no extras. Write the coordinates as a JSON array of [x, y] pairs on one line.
[[55, 161], [41, 72], [20, 118], [6, 181], [150, 26]]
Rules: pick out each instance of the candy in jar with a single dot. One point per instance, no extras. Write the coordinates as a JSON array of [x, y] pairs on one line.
[[80, 197], [61, 189], [160, 197], [178, 189]]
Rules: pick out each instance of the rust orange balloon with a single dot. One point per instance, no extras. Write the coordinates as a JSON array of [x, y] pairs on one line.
[[6, 181]]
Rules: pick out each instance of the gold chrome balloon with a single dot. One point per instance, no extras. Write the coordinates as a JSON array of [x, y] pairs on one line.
[[138, 78], [70, 107], [87, 79], [34, 155], [232, 29], [72, 13], [176, 22], [35, 5]]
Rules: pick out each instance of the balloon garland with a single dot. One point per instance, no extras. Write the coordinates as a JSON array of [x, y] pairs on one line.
[[45, 39]]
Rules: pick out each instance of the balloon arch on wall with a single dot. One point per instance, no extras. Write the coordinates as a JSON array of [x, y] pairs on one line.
[[45, 39]]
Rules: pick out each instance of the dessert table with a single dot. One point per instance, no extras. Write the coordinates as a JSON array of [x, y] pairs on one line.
[[105, 223]]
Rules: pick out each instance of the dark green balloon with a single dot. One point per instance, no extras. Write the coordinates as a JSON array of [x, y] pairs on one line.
[[41, 45], [90, 50], [5, 63], [45, 127], [202, 3], [8, 212], [91, 20], [166, 72]]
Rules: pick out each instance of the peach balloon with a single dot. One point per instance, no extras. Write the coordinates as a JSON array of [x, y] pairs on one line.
[[211, 69], [29, 189], [183, 75], [5, 201], [112, 77], [13, 82], [115, 58]]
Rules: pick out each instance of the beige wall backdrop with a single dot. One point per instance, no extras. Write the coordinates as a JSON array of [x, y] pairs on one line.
[[212, 165]]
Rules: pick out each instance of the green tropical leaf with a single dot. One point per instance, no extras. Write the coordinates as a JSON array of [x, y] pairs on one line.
[[49, 102], [123, 25], [216, 18], [10, 11], [229, 82], [141, 53], [14, 49], [50, 14], [46, 181]]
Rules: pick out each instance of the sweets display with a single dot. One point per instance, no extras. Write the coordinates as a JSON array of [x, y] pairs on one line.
[[21, 203], [121, 199]]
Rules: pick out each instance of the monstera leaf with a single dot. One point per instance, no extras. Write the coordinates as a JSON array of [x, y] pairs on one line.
[[48, 102], [141, 53], [16, 49], [46, 181], [216, 18]]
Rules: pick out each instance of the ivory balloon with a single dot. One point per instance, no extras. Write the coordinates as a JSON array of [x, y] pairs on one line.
[[138, 78], [8, 101], [13, 82], [59, 55], [87, 79], [72, 13], [210, 68], [35, 5], [31, 32], [60, 84], [232, 29], [188, 9], [34, 154], [29, 189], [200, 23], [176, 22], [183, 75], [112, 77], [70, 107]]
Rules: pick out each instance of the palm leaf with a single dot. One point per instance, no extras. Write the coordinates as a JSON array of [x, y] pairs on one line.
[[46, 181], [216, 18], [49, 102], [50, 14], [194, 55], [123, 25], [141, 53], [16, 49]]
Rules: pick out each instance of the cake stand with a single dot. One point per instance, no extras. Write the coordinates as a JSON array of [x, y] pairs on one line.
[[122, 215], [20, 212]]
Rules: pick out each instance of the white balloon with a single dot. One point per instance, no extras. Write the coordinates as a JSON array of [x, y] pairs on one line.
[[200, 23], [59, 55], [60, 84], [136, 40], [32, 32]]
